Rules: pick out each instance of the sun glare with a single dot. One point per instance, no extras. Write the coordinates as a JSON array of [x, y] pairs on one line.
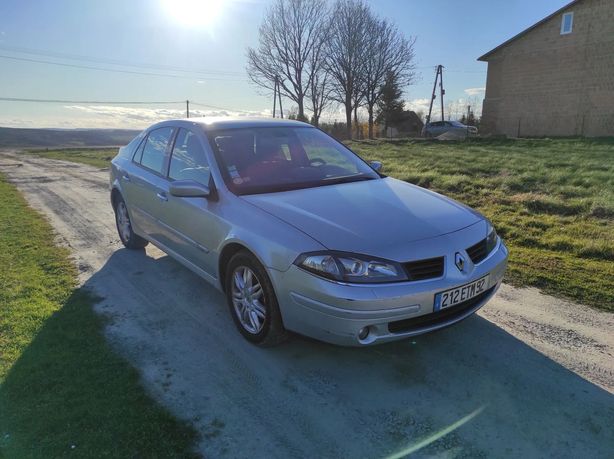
[[194, 13]]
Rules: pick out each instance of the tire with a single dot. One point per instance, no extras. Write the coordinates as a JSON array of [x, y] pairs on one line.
[[265, 327], [129, 238]]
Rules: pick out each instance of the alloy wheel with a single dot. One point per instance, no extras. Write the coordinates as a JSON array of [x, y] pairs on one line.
[[247, 299], [123, 221]]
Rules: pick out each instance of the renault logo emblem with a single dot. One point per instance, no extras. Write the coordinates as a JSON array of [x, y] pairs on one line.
[[459, 261]]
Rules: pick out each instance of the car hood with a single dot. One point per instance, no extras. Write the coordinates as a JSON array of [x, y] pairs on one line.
[[368, 216]]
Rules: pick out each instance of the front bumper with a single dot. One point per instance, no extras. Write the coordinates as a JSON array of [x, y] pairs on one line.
[[336, 312]]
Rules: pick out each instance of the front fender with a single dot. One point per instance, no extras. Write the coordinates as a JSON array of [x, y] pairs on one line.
[[275, 243]]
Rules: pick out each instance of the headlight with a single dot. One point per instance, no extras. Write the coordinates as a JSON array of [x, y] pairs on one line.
[[348, 267], [491, 240]]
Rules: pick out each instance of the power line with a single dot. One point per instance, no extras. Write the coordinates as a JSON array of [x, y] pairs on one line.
[[434, 67], [77, 57], [132, 72], [108, 102], [91, 102], [218, 108]]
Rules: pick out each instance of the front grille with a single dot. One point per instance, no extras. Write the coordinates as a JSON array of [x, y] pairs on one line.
[[478, 251], [425, 269], [435, 318]]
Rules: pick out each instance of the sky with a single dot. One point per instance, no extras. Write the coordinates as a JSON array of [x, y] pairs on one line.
[[195, 50]]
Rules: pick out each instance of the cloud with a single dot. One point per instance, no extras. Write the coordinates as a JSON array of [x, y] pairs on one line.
[[474, 91], [138, 117], [418, 105]]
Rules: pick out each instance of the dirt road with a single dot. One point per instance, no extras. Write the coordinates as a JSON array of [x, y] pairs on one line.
[[529, 376]]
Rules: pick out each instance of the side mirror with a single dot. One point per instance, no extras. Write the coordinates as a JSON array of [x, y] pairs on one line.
[[189, 189], [376, 165]]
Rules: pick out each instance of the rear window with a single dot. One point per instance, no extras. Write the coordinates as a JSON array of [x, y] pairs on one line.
[[153, 151]]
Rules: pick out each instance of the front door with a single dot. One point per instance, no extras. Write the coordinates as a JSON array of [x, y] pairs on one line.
[[193, 228]]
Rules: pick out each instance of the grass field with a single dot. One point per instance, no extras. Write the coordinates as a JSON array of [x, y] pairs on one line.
[[63, 391], [97, 157], [552, 201]]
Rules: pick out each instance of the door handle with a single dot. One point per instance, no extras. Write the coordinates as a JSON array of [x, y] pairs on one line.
[[126, 177], [162, 196]]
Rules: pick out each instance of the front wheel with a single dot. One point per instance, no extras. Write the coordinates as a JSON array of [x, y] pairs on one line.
[[252, 301], [124, 227]]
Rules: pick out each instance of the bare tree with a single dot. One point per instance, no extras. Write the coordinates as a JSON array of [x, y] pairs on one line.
[[348, 38], [319, 95], [289, 35], [319, 91], [389, 52]]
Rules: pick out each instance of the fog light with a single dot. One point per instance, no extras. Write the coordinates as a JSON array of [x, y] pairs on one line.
[[363, 333]]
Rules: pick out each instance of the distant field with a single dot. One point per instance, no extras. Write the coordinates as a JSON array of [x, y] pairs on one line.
[[97, 157], [24, 137], [552, 201]]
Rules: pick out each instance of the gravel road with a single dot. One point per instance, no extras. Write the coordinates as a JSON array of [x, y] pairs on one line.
[[529, 376]]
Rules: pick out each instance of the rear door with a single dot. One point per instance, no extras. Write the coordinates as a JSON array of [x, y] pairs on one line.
[[193, 228], [147, 187]]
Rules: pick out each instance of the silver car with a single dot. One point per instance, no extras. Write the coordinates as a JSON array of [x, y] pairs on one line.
[[452, 128], [301, 234]]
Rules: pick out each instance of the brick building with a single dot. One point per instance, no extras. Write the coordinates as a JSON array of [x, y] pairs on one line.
[[556, 78]]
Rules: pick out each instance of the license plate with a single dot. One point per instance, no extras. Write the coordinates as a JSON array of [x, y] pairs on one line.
[[457, 295]]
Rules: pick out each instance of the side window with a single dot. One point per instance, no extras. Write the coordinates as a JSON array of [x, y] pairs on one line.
[[154, 149], [188, 161], [138, 154]]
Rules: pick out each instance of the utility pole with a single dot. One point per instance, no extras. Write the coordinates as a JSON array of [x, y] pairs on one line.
[[281, 109], [277, 93], [275, 98], [187, 108], [441, 90], [438, 78], [467, 120]]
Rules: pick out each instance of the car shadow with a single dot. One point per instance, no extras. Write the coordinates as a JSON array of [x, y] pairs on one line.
[[471, 390]]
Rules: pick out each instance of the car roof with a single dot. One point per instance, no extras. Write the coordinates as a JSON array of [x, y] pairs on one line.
[[216, 123]]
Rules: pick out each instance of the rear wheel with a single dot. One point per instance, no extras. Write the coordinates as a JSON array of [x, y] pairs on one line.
[[124, 227], [252, 301]]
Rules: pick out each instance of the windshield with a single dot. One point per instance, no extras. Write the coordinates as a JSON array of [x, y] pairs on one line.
[[457, 124], [271, 159]]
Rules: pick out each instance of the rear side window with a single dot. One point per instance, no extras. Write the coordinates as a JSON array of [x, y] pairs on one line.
[[188, 161], [154, 149]]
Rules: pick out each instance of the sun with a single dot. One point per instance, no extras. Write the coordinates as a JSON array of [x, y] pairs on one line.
[[194, 13]]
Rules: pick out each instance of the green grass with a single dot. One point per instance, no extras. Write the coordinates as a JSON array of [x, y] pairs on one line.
[[62, 389], [551, 200], [97, 157]]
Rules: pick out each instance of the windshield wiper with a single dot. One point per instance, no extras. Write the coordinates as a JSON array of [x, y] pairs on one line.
[[346, 179], [302, 185]]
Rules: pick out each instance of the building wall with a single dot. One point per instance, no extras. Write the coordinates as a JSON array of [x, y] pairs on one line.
[[548, 84]]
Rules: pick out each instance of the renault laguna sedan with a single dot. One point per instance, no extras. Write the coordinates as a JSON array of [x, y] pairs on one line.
[[301, 234]]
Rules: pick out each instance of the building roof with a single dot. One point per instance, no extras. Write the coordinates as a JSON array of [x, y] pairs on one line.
[[524, 32]]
